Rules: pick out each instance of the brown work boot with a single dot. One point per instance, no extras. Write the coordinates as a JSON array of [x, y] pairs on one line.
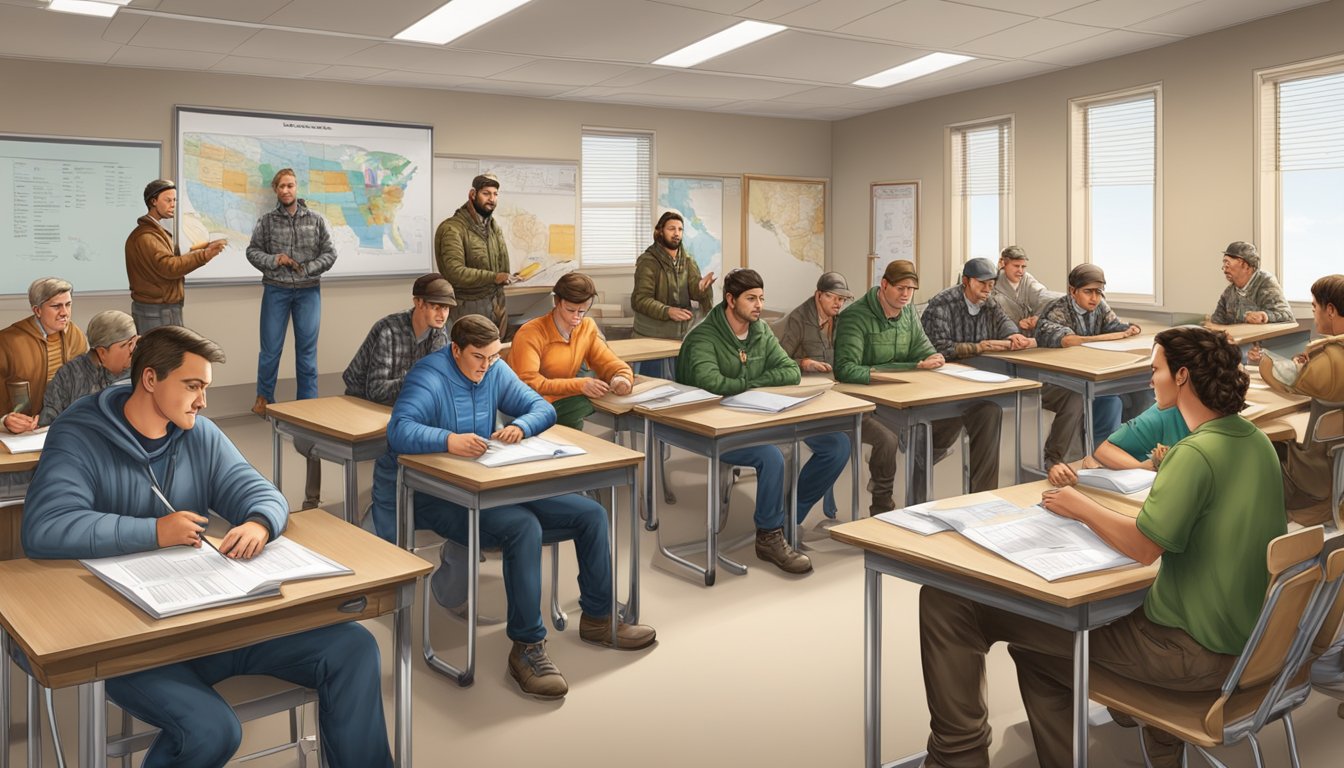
[[772, 548], [259, 407], [536, 675], [629, 637], [312, 487]]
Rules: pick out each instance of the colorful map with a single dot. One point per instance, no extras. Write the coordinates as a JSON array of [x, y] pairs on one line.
[[700, 203], [786, 237]]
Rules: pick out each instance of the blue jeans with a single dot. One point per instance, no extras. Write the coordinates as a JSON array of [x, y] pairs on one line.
[[385, 496], [520, 530], [197, 728], [278, 305], [829, 455], [1105, 418], [665, 368]]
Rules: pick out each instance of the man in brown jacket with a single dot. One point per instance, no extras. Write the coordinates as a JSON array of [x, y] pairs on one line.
[[154, 267], [33, 349]]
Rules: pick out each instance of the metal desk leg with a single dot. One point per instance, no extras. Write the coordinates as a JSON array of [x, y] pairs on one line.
[[401, 638], [632, 602], [615, 569], [650, 507], [6, 677], [276, 444], [856, 460], [791, 522], [911, 495], [872, 668], [928, 460], [1089, 390], [34, 723], [351, 492], [712, 517], [92, 725], [1080, 705], [1017, 439], [465, 676]]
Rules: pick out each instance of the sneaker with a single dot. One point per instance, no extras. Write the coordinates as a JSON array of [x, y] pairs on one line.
[[629, 637], [537, 676], [772, 548], [259, 407]]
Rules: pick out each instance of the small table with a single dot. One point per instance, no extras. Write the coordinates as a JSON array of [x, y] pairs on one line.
[[76, 630], [711, 430], [478, 488], [950, 562], [343, 429]]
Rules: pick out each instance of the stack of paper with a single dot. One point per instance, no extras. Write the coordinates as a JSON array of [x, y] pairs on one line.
[[766, 402], [26, 442], [971, 374], [641, 396], [529, 449], [1141, 343], [681, 395], [1117, 480]]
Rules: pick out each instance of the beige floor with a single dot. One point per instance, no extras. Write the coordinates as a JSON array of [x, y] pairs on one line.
[[764, 669]]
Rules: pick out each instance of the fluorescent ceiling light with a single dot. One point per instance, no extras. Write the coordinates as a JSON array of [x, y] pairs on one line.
[[924, 65], [736, 36], [85, 7], [456, 18]]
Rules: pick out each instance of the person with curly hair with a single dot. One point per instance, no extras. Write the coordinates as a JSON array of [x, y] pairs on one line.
[[1213, 509]]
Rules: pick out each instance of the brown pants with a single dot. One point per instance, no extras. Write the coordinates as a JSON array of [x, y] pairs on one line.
[[881, 464], [982, 422], [1067, 426], [955, 634]]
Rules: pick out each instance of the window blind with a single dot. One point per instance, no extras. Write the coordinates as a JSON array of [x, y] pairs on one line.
[[616, 205], [1310, 116], [1121, 143]]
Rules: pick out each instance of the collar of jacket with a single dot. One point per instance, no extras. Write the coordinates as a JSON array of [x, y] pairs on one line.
[[660, 253]]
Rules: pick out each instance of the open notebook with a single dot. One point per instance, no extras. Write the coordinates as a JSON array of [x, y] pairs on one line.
[[529, 449], [26, 442]]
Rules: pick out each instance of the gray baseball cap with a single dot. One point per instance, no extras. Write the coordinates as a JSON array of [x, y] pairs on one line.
[[834, 282], [1014, 252], [1084, 275], [1244, 251], [980, 269]]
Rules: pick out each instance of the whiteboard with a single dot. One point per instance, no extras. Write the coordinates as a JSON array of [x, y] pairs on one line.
[[372, 181], [895, 226], [537, 210], [69, 204]]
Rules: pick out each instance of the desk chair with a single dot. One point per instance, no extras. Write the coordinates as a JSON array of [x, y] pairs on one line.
[[1325, 425], [1271, 661]]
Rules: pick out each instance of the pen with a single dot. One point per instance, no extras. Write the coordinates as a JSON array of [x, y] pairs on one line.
[[163, 498]]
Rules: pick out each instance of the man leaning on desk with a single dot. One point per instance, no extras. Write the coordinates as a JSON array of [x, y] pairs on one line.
[[449, 401], [1253, 296], [94, 495], [1210, 515]]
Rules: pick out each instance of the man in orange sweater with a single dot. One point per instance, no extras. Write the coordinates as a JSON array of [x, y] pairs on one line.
[[548, 351], [33, 349], [155, 268]]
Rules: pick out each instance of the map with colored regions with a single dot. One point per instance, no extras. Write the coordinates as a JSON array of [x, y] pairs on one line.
[[700, 203], [786, 236]]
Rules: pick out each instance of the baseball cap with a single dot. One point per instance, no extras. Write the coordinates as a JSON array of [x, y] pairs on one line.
[[1014, 252], [980, 269], [899, 270], [1245, 251], [434, 288], [485, 180], [1086, 274], [834, 282], [153, 188]]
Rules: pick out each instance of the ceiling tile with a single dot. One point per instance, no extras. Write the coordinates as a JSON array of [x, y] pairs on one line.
[[1029, 38], [829, 97], [933, 23], [296, 46], [570, 73], [664, 102], [728, 7], [433, 59], [833, 14], [539, 90], [234, 10], [132, 56], [1120, 13], [39, 33], [246, 65], [769, 10], [776, 109], [999, 72], [343, 72], [417, 79], [122, 27], [357, 17], [808, 56], [1216, 14], [692, 84], [188, 35], [1117, 42], [636, 76], [1029, 7]]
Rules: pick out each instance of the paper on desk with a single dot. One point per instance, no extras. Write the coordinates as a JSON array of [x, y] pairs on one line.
[[1141, 343], [26, 442], [656, 392], [766, 402], [1048, 545], [1117, 480], [934, 516], [971, 374]]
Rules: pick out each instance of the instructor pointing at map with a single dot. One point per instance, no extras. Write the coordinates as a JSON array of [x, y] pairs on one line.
[[154, 266], [471, 254]]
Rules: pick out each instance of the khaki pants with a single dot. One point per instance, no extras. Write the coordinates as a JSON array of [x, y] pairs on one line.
[[955, 634]]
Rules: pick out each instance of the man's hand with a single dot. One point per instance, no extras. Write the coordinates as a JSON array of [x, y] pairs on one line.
[[594, 387], [509, 434], [1090, 462], [679, 314], [814, 366], [1254, 354], [1062, 475], [214, 248], [283, 260], [706, 281], [19, 422], [1065, 502], [1159, 453], [1018, 341], [1257, 318], [244, 542], [181, 528], [503, 278], [621, 385], [931, 362], [1133, 330], [1027, 323], [994, 345], [467, 444]]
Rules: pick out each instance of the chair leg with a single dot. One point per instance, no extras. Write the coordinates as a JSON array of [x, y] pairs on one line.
[[1210, 759], [1292, 740], [34, 724], [558, 618], [663, 454], [127, 726], [55, 733], [1256, 751]]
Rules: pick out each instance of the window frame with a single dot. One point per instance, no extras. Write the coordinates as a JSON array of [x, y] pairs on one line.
[[625, 268], [957, 235]]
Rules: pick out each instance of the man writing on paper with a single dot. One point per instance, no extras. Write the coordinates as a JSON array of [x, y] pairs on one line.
[[95, 496], [1253, 296], [449, 401], [1020, 296], [380, 365], [471, 253], [155, 269], [33, 349], [732, 351], [1069, 321], [548, 352]]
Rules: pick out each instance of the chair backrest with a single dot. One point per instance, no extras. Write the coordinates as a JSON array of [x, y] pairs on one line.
[[1329, 633], [1326, 423], [1294, 578]]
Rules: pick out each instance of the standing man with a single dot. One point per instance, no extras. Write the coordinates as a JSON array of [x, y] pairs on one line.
[[472, 255], [154, 268], [33, 349], [291, 246], [1253, 296], [667, 280], [94, 496], [810, 337], [380, 365], [1019, 295], [112, 339], [732, 351]]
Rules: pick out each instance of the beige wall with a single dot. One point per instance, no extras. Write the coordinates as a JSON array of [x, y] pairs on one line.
[[82, 100], [1208, 119]]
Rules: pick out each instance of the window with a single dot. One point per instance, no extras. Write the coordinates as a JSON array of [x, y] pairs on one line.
[[980, 164], [1300, 186], [616, 207], [1115, 201]]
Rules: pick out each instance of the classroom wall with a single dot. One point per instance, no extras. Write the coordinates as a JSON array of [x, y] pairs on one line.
[[1206, 131], [117, 102]]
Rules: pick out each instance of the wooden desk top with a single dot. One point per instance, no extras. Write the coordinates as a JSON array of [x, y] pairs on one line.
[[1264, 405], [17, 462], [1083, 362], [640, 349], [471, 476], [917, 388], [347, 418], [74, 628], [1249, 333], [716, 420], [951, 553], [642, 383]]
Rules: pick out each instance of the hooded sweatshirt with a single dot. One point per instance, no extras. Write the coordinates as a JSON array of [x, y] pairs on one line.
[[91, 495], [23, 357], [714, 359], [662, 283]]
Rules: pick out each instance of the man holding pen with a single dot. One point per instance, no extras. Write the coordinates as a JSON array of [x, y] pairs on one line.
[[155, 269]]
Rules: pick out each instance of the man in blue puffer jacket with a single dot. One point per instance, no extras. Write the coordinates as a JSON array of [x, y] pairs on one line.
[[449, 401]]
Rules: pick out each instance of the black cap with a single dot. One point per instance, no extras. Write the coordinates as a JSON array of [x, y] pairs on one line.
[[155, 187]]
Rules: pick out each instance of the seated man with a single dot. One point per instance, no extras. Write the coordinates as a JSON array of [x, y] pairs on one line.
[[112, 339], [94, 496], [381, 363], [877, 334], [1068, 321], [965, 321], [1254, 296], [1140, 443], [548, 352], [732, 351], [1019, 295], [1316, 373], [33, 349], [449, 401], [1211, 513]]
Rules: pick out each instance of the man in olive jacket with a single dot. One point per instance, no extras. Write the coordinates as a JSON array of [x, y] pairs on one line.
[[732, 351], [471, 253], [667, 280]]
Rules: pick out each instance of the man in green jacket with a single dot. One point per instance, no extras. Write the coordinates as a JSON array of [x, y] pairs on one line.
[[732, 351], [667, 280], [470, 250]]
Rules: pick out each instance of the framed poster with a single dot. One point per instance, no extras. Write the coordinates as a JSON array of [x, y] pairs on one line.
[[371, 180], [784, 235], [701, 202], [894, 231]]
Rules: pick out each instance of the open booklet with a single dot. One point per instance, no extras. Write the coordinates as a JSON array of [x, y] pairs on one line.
[[1117, 480], [25, 442], [166, 582], [528, 449], [657, 395], [764, 401]]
